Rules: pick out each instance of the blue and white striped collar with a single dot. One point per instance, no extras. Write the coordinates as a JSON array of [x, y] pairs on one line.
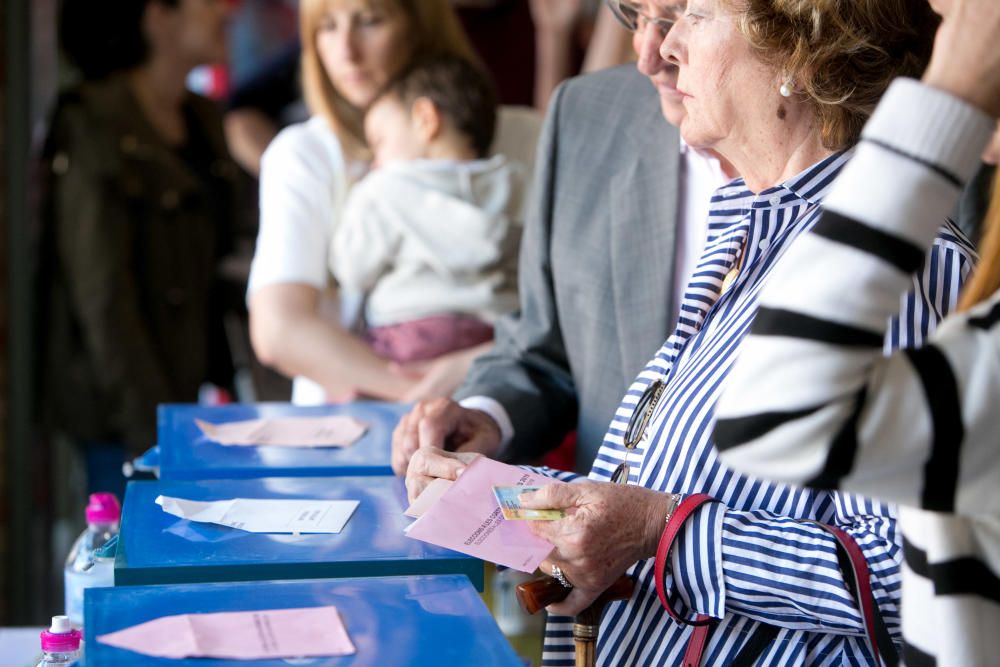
[[809, 187], [737, 214]]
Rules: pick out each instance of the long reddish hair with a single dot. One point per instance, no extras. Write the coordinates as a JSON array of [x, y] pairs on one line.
[[986, 278]]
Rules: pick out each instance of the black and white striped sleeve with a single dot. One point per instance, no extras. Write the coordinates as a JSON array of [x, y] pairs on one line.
[[811, 399]]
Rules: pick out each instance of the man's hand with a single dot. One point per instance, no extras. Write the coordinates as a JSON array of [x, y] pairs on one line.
[[966, 60], [607, 528], [429, 464], [443, 424]]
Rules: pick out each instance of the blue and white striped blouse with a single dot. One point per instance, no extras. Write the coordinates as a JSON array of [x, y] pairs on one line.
[[748, 559]]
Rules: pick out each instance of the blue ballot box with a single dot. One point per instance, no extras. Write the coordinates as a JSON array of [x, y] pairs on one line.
[[186, 453], [420, 620], [155, 547]]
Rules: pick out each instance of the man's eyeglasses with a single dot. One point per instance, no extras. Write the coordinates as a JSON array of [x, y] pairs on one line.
[[629, 15], [637, 424]]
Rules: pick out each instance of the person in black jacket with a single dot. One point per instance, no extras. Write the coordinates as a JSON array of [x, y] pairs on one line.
[[136, 214]]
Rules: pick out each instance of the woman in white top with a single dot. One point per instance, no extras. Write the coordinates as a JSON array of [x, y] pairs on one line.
[[350, 49]]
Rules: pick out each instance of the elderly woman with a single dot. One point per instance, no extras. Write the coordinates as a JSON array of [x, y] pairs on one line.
[[780, 90], [350, 50]]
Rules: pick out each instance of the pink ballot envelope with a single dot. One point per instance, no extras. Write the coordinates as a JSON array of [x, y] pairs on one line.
[[466, 518], [239, 635], [428, 497]]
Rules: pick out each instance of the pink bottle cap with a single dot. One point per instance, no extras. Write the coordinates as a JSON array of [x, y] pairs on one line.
[[61, 637], [103, 508]]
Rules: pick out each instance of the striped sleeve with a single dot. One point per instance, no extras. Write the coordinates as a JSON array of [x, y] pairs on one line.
[[784, 572], [830, 411], [561, 475], [935, 290]]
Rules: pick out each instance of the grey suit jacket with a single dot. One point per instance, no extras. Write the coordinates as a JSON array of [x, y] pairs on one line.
[[596, 266]]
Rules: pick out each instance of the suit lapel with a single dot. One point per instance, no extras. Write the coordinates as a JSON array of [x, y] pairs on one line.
[[643, 195]]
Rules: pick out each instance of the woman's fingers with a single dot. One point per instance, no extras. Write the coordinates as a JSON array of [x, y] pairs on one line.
[[578, 600], [428, 464], [431, 462], [553, 497]]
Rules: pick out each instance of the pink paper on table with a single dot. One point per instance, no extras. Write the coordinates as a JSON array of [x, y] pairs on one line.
[[466, 518], [327, 431], [239, 635]]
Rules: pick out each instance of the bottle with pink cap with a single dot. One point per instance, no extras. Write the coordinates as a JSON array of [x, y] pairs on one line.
[[85, 568], [60, 643]]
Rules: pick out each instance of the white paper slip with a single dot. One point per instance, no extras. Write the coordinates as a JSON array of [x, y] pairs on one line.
[[265, 515], [328, 431]]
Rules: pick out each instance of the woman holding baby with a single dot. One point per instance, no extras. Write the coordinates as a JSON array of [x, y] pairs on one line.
[[299, 323]]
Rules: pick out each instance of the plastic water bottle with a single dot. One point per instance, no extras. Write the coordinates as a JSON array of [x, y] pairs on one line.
[[60, 643], [513, 621], [83, 568]]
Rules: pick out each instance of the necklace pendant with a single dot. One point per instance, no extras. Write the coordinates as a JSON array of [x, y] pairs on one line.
[[730, 278]]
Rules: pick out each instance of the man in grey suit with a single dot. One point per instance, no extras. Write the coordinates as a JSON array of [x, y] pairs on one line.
[[597, 268]]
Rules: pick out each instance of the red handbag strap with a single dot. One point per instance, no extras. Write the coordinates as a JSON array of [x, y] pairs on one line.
[[670, 532], [852, 564], [696, 645], [858, 579], [702, 623]]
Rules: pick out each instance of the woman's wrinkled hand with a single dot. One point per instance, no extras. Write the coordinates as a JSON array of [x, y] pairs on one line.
[[607, 528], [430, 463]]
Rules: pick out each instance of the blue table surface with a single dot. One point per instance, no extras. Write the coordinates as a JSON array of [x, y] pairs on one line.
[[157, 547], [420, 620], [186, 453]]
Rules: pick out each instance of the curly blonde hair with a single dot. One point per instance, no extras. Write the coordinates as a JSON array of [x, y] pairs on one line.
[[840, 54]]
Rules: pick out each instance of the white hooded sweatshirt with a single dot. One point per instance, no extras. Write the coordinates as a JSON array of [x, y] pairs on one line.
[[432, 237]]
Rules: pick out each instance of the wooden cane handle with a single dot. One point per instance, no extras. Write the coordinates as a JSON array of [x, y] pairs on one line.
[[537, 594]]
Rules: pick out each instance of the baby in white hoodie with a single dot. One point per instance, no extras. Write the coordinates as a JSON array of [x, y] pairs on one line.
[[430, 235]]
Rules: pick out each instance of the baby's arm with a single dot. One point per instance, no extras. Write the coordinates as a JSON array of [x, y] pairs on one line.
[[365, 242]]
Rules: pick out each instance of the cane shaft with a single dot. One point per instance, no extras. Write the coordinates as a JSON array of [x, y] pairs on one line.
[[586, 652], [540, 593], [585, 640]]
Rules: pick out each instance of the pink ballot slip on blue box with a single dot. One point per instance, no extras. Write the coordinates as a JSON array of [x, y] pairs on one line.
[[185, 452], [413, 620]]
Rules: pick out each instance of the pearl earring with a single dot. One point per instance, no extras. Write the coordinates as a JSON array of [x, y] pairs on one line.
[[786, 88]]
